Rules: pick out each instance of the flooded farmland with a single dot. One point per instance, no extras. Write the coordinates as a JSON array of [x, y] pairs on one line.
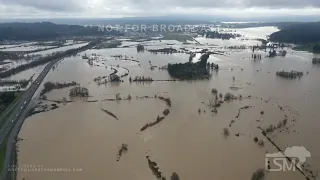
[[188, 135]]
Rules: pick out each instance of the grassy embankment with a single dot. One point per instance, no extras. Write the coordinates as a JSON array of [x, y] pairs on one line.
[[7, 105], [5, 113], [3, 153]]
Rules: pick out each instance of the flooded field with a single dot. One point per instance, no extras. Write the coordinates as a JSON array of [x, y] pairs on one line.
[[27, 58], [185, 136], [48, 52], [26, 48]]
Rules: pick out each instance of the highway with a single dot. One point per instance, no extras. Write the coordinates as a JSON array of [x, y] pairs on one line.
[[18, 116]]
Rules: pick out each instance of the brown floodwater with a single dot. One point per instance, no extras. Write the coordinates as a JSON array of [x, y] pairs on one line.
[[80, 135]]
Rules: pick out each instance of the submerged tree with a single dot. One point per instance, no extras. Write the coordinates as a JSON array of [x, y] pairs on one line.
[[140, 48], [174, 176], [129, 97], [316, 48], [118, 96], [203, 60]]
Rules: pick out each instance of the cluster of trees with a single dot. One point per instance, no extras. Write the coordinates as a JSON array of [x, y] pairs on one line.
[[291, 74], [155, 169], [213, 66], [316, 61], [47, 30], [44, 60], [113, 44], [9, 55], [316, 48], [164, 50], [187, 71], [272, 53], [256, 56], [122, 149], [203, 60], [49, 86], [167, 100], [6, 98], [79, 92], [114, 78], [190, 70], [159, 119], [282, 53], [298, 33], [217, 35], [23, 83], [140, 79], [140, 48], [236, 47], [280, 125]]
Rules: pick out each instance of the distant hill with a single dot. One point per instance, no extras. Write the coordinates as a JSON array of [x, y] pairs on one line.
[[170, 18], [298, 33], [45, 31]]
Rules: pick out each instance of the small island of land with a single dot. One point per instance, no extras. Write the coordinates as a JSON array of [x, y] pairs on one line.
[[190, 70]]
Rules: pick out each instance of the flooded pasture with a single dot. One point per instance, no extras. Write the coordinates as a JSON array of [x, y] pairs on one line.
[[190, 139]]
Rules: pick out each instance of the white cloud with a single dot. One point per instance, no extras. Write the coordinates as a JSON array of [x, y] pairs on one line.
[[119, 8]]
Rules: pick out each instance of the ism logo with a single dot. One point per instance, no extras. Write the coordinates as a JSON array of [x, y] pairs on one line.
[[280, 161]]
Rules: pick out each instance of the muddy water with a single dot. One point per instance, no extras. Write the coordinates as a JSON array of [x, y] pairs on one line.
[[80, 135]]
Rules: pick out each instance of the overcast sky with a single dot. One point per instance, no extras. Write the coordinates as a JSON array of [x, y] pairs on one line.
[[123, 8]]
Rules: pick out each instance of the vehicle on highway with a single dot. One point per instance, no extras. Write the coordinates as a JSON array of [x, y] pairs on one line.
[[25, 102]]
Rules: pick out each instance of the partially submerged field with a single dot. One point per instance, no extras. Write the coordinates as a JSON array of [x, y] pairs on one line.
[[146, 130]]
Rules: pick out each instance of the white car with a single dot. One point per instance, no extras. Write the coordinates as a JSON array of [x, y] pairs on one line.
[[25, 102], [21, 107], [12, 120]]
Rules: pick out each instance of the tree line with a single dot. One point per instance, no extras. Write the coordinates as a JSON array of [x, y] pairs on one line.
[[298, 33], [47, 30]]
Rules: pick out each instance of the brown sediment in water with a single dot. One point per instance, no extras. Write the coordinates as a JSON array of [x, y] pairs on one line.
[[206, 131]]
